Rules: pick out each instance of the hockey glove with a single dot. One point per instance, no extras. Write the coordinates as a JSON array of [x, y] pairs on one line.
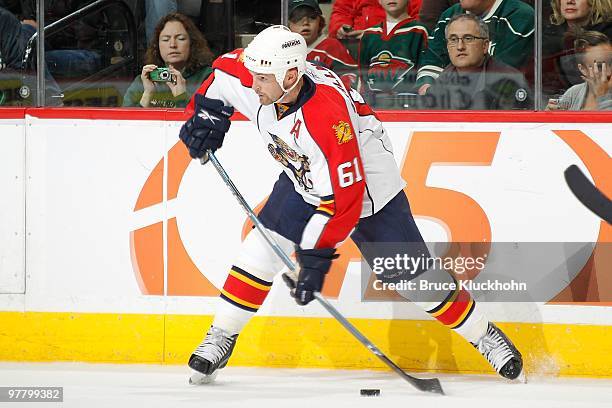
[[206, 129], [314, 265]]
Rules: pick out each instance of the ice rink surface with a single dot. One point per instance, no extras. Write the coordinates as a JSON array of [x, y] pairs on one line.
[[105, 385]]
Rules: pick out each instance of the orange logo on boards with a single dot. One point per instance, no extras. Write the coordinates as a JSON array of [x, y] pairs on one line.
[[343, 132], [180, 277], [464, 219]]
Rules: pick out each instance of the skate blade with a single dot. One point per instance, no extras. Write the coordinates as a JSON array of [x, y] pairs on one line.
[[202, 379]]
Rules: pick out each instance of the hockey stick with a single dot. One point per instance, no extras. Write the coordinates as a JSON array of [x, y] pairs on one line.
[[428, 385], [588, 194]]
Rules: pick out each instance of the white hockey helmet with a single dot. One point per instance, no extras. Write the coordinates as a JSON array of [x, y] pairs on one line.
[[275, 51]]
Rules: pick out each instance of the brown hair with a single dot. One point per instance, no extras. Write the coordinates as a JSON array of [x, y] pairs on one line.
[[200, 54], [585, 39], [600, 11]]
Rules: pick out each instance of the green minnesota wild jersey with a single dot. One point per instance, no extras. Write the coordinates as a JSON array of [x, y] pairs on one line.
[[511, 27], [388, 61]]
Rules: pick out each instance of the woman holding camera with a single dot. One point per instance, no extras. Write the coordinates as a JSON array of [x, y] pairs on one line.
[[177, 62]]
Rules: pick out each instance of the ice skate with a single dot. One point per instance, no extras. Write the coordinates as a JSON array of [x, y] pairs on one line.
[[501, 353], [211, 356]]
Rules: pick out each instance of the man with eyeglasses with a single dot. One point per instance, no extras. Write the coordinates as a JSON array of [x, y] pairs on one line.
[[511, 28], [474, 79]]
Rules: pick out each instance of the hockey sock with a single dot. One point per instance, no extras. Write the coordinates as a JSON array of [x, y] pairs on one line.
[[461, 313], [248, 282], [455, 308], [242, 295]]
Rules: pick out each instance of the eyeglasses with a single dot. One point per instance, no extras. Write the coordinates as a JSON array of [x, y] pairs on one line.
[[453, 40]]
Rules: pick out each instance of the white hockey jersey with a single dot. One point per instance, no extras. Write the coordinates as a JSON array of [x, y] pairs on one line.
[[329, 143]]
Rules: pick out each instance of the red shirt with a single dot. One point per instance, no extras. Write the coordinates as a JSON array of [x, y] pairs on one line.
[[361, 14], [332, 54]]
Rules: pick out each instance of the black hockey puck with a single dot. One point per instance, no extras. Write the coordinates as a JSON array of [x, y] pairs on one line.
[[369, 392]]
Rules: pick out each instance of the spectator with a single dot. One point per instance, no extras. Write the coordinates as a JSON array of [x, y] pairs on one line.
[[511, 27], [350, 17], [594, 52], [13, 43], [73, 51], [14, 39], [431, 10], [590, 15], [179, 46], [474, 79], [568, 18], [388, 56], [305, 17]]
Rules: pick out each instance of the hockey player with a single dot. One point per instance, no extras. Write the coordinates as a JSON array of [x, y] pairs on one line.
[[338, 177]]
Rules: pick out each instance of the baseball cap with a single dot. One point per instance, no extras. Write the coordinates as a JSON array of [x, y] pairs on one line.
[[293, 4]]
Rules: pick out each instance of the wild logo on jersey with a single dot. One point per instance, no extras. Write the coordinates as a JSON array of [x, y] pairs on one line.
[[343, 132], [286, 156], [386, 71]]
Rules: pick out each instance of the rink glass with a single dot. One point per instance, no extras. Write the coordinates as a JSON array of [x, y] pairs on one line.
[[93, 57]]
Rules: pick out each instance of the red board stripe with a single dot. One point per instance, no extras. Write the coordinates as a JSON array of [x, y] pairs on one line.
[[385, 116]]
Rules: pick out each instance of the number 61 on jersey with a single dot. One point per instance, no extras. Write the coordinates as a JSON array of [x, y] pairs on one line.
[[348, 173]]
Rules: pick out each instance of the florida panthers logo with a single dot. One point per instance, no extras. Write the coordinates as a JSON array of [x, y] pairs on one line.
[[387, 71], [298, 164], [343, 132]]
